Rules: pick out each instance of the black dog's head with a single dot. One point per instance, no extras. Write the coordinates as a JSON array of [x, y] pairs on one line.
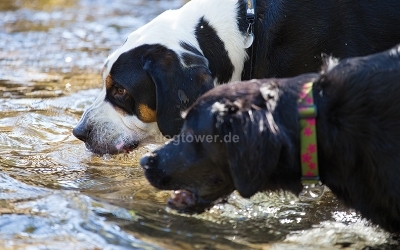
[[232, 139], [189, 162]]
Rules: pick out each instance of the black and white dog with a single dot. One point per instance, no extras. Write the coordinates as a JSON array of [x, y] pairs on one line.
[[246, 136], [164, 66]]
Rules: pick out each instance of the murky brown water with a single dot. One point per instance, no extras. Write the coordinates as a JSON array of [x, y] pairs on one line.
[[56, 195]]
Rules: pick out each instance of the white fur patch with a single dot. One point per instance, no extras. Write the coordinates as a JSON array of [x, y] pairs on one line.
[[218, 107], [175, 26], [330, 63], [170, 29]]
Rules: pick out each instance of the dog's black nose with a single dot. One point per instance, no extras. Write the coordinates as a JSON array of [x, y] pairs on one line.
[[81, 132], [148, 160]]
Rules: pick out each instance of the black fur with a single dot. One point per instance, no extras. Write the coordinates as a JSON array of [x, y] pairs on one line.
[[215, 51], [358, 131], [174, 96], [290, 36], [122, 78]]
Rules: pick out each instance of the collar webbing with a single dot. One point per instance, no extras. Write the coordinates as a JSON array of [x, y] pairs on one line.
[[308, 135], [250, 18]]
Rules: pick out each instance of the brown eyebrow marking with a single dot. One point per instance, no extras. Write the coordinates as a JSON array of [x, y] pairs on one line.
[[109, 82], [146, 114]]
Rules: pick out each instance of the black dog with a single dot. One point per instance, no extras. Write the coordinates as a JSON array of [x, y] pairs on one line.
[[358, 131], [164, 66]]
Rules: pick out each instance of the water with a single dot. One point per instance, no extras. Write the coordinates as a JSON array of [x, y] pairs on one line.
[[56, 195]]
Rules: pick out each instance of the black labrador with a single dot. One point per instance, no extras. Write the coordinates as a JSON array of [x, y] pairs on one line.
[[245, 136]]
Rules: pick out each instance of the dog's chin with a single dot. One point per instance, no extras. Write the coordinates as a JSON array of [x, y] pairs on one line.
[[114, 147], [185, 201]]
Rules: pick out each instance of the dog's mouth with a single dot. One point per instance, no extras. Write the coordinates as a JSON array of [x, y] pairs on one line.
[[121, 146], [185, 201], [126, 147]]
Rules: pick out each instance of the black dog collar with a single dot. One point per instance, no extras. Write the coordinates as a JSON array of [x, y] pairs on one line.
[[250, 18], [250, 11]]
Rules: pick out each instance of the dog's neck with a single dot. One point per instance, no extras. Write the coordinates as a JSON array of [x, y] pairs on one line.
[[222, 35], [218, 30], [286, 124], [291, 94]]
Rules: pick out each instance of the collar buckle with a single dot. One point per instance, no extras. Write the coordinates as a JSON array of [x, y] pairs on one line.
[[310, 180]]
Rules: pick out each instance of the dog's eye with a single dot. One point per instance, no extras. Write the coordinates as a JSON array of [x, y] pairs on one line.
[[121, 91]]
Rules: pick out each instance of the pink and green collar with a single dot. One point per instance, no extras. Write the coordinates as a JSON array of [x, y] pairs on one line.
[[308, 136]]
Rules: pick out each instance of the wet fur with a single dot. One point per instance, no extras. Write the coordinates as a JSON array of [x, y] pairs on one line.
[[358, 131]]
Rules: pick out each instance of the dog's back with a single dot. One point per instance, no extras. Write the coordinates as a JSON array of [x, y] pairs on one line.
[[359, 129], [297, 32]]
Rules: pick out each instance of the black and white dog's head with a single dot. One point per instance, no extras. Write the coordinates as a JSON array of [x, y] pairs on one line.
[[161, 69]]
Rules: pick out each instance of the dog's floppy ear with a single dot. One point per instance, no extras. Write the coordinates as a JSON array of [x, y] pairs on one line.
[[177, 85], [252, 144]]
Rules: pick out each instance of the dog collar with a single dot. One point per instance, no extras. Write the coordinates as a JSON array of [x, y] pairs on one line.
[[308, 136], [250, 12], [250, 18]]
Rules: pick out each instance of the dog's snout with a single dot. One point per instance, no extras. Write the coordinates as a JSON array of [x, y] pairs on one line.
[[148, 160], [81, 132]]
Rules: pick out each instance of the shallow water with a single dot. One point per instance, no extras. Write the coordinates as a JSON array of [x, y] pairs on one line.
[[56, 195]]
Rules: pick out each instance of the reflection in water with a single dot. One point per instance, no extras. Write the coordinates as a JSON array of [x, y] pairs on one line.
[[54, 194]]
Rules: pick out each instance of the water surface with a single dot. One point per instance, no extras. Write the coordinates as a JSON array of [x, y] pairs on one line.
[[54, 194]]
